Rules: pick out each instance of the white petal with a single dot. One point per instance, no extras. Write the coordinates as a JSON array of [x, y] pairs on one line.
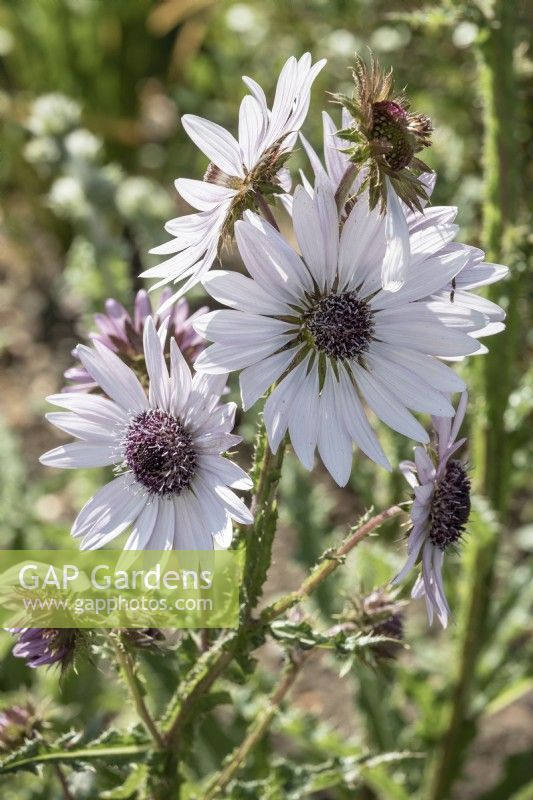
[[203, 195], [251, 129], [334, 443], [90, 406], [362, 248], [270, 260], [144, 527], [357, 423], [232, 327], [107, 497], [217, 143], [256, 379], [398, 251], [86, 429], [278, 404], [80, 455], [244, 294], [311, 236], [427, 368], [114, 519], [304, 419], [117, 380], [194, 524], [180, 379], [386, 407], [234, 505], [223, 470], [162, 537], [222, 358], [424, 278], [408, 387], [159, 392]]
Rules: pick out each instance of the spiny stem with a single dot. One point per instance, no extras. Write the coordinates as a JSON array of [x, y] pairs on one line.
[[258, 728], [128, 671], [327, 565]]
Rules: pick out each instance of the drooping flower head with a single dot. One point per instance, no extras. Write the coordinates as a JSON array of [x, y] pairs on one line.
[[384, 136], [440, 511], [122, 333], [46, 646], [238, 171], [172, 482], [321, 331]]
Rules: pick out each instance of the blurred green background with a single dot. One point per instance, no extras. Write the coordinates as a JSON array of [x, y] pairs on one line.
[[91, 95]]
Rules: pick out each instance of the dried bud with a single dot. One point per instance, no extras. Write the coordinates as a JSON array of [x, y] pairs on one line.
[[143, 638], [385, 136]]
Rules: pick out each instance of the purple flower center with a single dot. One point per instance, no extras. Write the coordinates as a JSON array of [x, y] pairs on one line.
[[450, 507], [341, 325], [389, 128], [159, 451]]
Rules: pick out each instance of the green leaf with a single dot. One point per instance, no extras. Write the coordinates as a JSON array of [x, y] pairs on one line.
[[134, 785], [112, 746]]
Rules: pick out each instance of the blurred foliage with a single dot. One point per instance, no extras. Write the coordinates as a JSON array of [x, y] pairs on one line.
[[90, 99]]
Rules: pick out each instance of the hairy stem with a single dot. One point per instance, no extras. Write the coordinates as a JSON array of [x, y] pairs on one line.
[[329, 563], [257, 729], [128, 671]]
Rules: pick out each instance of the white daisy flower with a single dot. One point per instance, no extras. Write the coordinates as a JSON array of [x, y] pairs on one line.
[[172, 483], [440, 511], [321, 328], [237, 170]]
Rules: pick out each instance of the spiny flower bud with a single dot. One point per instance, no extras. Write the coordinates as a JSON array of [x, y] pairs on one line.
[[17, 723], [385, 136], [379, 614]]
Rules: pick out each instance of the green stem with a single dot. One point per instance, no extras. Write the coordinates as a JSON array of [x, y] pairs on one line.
[[501, 183], [329, 563], [128, 671], [257, 729], [491, 446]]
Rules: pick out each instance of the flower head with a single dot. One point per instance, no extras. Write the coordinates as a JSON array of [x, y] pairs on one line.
[[238, 171], [384, 135], [172, 482], [123, 334], [46, 646], [440, 511], [321, 331]]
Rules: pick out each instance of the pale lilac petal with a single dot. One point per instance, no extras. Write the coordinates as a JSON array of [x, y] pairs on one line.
[[159, 392], [216, 142], [398, 250], [80, 455]]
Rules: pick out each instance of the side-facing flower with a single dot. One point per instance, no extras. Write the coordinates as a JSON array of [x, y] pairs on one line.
[[46, 646], [122, 333], [440, 511], [321, 331], [239, 170], [166, 444]]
